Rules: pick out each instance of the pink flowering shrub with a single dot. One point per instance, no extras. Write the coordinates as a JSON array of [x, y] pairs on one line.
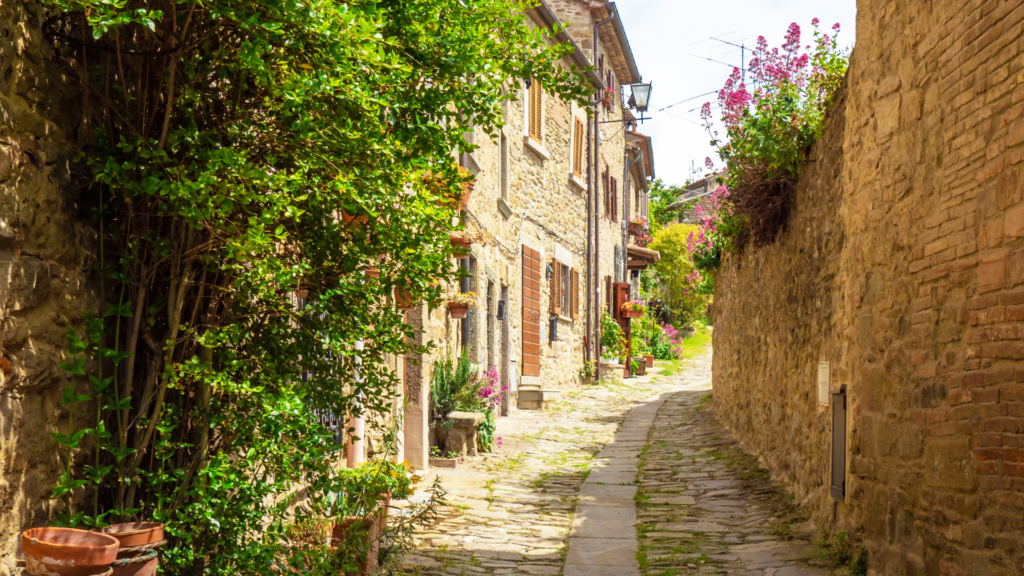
[[769, 130]]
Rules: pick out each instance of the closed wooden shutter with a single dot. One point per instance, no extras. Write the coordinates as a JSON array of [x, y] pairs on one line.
[[615, 200], [556, 288], [574, 293], [536, 109], [604, 189], [577, 149], [531, 312]]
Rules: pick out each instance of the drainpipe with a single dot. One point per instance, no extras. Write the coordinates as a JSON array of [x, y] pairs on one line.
[[627, 163], [356, 424], [597, 213], [587, 357]]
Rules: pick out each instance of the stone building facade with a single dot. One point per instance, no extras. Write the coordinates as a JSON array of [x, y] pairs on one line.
[[46, 258], [901, 267], [530, 268]]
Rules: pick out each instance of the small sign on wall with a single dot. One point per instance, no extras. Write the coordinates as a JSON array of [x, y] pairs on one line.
[[824, 382]]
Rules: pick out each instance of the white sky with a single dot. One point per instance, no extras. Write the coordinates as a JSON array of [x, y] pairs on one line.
[[669, 39]]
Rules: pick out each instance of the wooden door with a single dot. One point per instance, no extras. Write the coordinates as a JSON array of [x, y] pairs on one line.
[[531, 312]]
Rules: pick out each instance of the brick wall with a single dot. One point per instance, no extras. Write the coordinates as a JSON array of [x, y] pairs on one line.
[[926, 320]]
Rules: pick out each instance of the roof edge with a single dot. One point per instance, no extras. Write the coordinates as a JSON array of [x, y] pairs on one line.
[[620, 34]]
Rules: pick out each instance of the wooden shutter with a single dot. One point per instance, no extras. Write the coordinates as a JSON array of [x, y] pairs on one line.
[[600, 65], [574, 293], [531, 312], [604, 189], [615, 200], [556, 288], [536, 109], [577, 149]]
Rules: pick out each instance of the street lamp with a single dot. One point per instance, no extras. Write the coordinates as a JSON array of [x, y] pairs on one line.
[[641, 94]]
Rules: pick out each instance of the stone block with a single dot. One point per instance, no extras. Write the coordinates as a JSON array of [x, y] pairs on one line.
[[947, 463]]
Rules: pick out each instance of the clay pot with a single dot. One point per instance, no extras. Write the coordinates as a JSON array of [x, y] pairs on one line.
[[631, 313], [348, 219], [363, 533], [372, 272], [461, 245], [130, 535], [67, 551], [650, 360], [458, 311]]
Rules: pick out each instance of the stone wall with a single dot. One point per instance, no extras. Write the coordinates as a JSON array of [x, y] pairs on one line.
[[910, 284], [45, 258]]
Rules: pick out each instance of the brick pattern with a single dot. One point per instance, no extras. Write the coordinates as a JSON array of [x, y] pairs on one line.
[[929, 331]]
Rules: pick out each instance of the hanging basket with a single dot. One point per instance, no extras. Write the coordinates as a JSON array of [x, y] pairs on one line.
[[461, 244], [457, 310], [632, 313], [635, 228]]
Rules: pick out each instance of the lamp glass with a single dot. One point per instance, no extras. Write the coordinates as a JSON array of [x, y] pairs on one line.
[[641, 95]]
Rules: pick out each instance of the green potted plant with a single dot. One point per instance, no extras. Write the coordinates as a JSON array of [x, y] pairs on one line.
[[587, 373], [359, 512], [613, 341]]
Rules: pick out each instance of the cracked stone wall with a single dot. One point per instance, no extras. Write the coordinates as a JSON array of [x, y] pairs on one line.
[[912, 286], [45, 257]]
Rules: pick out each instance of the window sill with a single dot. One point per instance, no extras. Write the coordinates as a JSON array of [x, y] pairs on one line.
[[504, 208], [565, 319], [537, 148], [577, 182]]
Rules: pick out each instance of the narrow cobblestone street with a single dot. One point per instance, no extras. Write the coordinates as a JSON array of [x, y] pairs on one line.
[[563, 495]]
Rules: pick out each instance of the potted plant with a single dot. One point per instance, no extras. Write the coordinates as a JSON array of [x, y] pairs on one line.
[[637, 226], [613, 341], [587, 373], [67, 551], [452, 198], [607, 97], [459, 305], [360, 511], [632, 309], [638, 366], [650, 360]]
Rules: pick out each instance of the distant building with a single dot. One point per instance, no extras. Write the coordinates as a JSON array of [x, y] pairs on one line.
[[697, 194]]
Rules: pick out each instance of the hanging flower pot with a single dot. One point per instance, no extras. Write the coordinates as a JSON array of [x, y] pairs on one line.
[[635, 228], [467, 188], [137, 555], [461, 244], [67, 551], [457, 310]]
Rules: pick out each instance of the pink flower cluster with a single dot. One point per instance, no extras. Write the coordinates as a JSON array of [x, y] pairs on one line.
[[490, 392], [709, 219], [675, 338]]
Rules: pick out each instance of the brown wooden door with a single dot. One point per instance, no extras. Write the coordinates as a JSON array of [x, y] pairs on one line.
[[531, 312]]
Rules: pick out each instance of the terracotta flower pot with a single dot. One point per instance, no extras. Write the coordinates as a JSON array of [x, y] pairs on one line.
[[458, 310], [632, 313], [461, 245], [364, 534], [131, 535], [650, 360], [635, 229], [348, 219], [67, 552]]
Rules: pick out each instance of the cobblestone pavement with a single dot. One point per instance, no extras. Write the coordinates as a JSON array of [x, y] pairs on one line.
[[512, 512], [706, 507]]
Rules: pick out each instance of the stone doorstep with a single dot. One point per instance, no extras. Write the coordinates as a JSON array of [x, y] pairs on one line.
[[538, 398]]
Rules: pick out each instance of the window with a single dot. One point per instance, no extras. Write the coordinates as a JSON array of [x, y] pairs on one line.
[[536, 108], [577, 148]]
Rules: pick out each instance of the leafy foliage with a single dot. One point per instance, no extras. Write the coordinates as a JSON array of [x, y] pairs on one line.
[[680, 286], [661, 197], [250, 165], [613, 340]]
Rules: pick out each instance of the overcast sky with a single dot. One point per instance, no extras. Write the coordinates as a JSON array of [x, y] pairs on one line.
[[670, 41]]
